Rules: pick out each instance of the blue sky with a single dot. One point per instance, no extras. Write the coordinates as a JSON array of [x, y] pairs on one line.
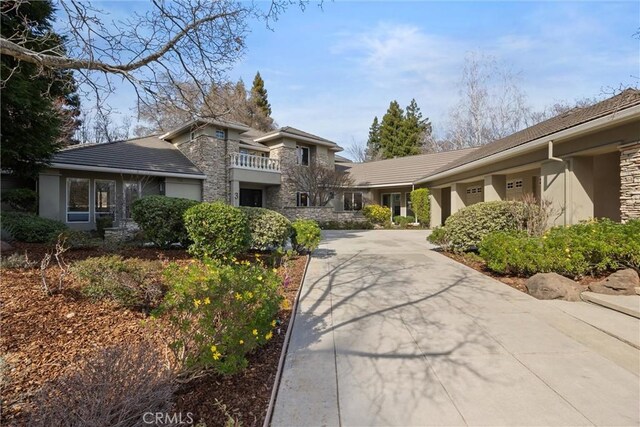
[[329, 71]]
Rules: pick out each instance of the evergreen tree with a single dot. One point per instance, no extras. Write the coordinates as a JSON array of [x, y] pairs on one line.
[[416, 129], [392, 132], [39, 111], [373, 143], [259, 95]]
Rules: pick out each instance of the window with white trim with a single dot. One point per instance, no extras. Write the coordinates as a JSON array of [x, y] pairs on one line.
[[78, 199], [353, 201], [220, 134], [302, 198], [104, 198], [302, 155], [131, 193]]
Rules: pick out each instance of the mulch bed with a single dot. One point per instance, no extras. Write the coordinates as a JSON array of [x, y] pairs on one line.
[[42, 336], [513, 281]]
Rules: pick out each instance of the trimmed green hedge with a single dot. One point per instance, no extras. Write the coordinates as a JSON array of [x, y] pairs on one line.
[[588, 248], [420, 205], [26, 227], [217, 230], [161, 219], [269, 229], [306, 235]]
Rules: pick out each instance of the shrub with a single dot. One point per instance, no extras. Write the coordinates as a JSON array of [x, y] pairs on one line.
[[377, 214], [465, 229], [219, 313], [78, 239], [306, 235], [132, 282], [438, 237], [17, 260], [217, 230], [345, 225], [116, 387], [403, 221], [420, 205], [589, 248], [161, 219], [30, 228], [21, 199], [269, 229]]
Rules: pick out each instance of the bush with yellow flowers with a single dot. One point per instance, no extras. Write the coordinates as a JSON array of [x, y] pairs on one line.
[[219, 312]]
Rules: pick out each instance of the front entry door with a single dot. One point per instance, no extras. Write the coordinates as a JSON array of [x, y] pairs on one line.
[[251, 197]]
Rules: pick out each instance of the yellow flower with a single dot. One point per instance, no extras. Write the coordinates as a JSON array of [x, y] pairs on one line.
[[268, 336], [275, 270], [255, 332], [249, 294], [273, 323], [259, 278], [214, 349], [216, 355], [567, 250], [207, 301], [238, 296], [258, 256], [241, 342], [197, 302], [544, 237]]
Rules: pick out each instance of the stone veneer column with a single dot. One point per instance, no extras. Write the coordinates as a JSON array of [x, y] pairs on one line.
[[630, 181], [283, 195]]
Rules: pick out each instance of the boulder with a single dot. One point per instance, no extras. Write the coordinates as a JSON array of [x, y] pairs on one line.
[[621, 282], [553, 286], [4, 246]]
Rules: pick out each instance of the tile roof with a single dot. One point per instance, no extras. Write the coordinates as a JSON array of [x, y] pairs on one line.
[[147, 154], [401, 170], [569, 119]]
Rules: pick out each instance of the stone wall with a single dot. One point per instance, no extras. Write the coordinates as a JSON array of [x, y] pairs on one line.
[[630, 181], [284, 194], [211, 155], [320, 214]]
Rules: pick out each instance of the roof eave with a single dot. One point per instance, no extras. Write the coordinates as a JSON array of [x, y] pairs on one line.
[[70, 166], [595, 124], [280, 134], [198, 122]]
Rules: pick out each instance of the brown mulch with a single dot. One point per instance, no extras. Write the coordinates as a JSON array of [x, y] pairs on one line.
[[515, 282], [42, 336]]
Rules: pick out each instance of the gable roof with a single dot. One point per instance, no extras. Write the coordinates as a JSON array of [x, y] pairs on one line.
[[401, 170], [147, 155], [567, 120], [298, 134], [202, 122]]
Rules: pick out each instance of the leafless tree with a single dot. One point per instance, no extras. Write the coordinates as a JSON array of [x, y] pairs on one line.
[[101, 127], [357, 151], [171, 42], [492, 104], [320, 181]]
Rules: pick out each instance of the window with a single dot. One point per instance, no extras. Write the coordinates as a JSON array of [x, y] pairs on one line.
[[78, 199], [302, 155], [509, 185], [105, 198], [518, 183], [302, 199], [131, 193], [220, 134], [352, 201]]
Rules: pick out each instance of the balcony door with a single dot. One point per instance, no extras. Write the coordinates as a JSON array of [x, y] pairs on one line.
[[250, 197]]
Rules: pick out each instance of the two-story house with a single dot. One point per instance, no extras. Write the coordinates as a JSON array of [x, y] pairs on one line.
[[202, 160]]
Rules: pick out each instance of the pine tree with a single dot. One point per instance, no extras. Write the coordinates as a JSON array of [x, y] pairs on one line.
[[416, 129], [392, 134], [39, 111], [373, 143], [259, 95]]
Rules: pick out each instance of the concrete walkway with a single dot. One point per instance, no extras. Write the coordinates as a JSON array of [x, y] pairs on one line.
[[391, 333]]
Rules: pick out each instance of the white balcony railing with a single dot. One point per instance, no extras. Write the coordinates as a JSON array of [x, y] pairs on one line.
[[249, 161]]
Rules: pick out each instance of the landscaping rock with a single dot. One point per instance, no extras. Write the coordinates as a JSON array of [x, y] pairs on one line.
[[621, 282], [4, 246], [553, 286]]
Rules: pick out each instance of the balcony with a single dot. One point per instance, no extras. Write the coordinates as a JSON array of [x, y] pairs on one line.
[[255, 163]]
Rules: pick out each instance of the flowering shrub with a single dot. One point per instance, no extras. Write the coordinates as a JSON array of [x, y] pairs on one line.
[[161, 219], [588, 248], [306, 235], [219, 312], [129, 282], [269, 229], [377, 214], [217, 230]]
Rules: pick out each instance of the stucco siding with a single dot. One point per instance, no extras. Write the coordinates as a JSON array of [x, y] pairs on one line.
[[184, 188]]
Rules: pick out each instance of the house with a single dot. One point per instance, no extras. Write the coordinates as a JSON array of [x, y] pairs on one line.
[[201, 160], [585, 163]]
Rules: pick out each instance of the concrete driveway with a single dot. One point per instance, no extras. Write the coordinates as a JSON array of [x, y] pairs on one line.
[[391, 333]]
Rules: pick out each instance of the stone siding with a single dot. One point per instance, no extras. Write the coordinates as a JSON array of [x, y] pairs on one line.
[[284, 194], [321, 214], [630, 181], [211, 155]]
